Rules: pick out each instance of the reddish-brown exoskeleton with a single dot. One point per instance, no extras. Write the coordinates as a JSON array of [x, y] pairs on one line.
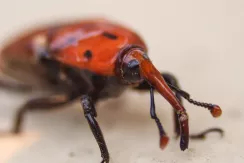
[[92, 60]]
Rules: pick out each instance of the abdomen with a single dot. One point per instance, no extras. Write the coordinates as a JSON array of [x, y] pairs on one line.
[[18, 61]]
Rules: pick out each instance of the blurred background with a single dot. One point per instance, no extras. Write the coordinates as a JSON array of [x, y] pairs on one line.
[[201, 42]]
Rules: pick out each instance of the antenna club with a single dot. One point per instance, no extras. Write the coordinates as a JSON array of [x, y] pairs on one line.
[[216, 111]]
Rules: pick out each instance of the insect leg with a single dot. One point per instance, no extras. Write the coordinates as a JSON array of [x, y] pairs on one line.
[[170, 79], [42, 103], [90, 114], [70, 88], [163, 136]]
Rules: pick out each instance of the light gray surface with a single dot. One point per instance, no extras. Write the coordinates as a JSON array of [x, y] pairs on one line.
[[201, 42]]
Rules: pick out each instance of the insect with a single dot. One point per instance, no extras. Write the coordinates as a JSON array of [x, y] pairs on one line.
[[92, 60]]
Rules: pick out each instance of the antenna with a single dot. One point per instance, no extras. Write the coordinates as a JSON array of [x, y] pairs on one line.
[[214, 109]]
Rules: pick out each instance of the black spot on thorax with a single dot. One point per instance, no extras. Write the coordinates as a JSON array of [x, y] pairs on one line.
[[88, 54], [109, 35]]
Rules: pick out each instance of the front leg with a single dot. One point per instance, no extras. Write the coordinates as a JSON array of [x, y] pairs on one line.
[[171, 81], [90, 114], [163, 136]]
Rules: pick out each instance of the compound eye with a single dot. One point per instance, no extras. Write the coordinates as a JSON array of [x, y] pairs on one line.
[[131, 71], [133, 64]]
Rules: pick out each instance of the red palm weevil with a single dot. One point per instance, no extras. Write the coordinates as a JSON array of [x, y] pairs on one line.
[[93, 60]]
